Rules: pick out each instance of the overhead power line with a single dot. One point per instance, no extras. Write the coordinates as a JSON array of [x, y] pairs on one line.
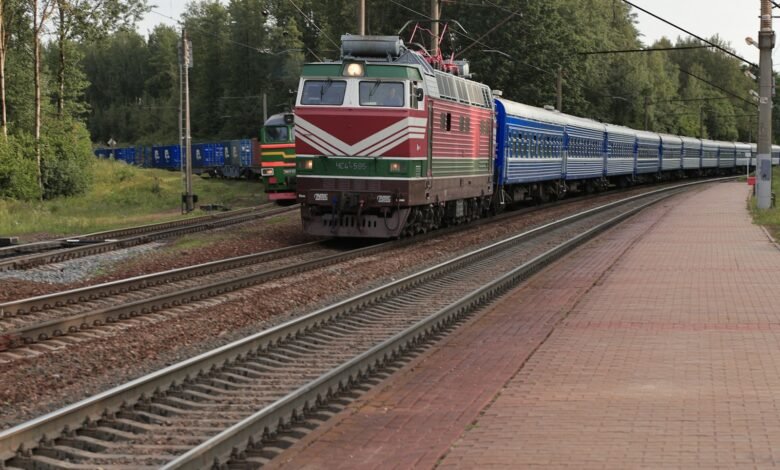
[[497, 25], [681, 100], [654, 49], [726, 51], [486, 46], [311, 20], [237, 43], [716, 86]]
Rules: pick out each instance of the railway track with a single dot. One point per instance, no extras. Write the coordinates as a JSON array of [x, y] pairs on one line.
[[36, 254], [26, 322], [29, 326], [226, 405]]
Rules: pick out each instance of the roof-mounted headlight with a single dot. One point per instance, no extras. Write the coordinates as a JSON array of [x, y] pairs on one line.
[[354, 69]]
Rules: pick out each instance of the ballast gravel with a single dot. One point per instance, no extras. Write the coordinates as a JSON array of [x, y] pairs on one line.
[[78, 269], [30, 387]]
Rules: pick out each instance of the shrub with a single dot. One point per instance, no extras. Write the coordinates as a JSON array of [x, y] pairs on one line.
[[18, 177], [123, 173], [66, 159]]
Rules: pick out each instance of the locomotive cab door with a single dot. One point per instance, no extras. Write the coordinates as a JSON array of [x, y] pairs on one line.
[[429, 169]]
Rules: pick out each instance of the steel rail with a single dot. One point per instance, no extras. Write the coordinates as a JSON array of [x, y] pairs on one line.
[[96, 318], [27, 434], [54, 328], [34, 247], [179, 227], [229, 444], [83, 294]]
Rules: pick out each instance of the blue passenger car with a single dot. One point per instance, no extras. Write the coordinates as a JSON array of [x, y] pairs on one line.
[[620, 143], [709, 155], [743, 154], [529, 144], [584, 148], [648, 153], [691, 155], [671, 152], [727, 155]]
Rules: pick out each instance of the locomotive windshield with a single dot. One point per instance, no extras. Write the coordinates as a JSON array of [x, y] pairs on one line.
[[275, 134], [323, 92], [381, 93]]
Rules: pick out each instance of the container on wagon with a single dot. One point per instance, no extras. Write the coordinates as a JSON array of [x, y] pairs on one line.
[[166, 156]]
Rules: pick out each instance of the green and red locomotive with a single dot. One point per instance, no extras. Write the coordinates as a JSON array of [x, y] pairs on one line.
[[277, 157], [391, 142]]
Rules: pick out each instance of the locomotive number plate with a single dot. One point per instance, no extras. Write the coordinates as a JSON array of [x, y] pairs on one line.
[[351, 166]]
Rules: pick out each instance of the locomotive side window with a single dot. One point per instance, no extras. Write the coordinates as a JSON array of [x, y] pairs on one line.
[[323, 92], [463, 95], [381, 93]]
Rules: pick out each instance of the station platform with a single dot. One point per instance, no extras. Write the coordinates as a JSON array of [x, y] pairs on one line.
[[656, 345]]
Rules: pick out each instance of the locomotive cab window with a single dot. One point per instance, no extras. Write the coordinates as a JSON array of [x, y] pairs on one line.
[[275, 134], [323, 92], [379, 93]]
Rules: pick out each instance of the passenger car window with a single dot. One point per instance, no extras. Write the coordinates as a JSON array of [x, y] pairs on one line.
[[323, 92], [382, 94]]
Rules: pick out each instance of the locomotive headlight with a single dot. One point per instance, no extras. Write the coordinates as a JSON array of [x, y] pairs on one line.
[[307, 164], [267, 171], [395, 167], [354, 69]]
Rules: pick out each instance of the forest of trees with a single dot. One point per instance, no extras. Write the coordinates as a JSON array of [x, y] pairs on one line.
[[99, 79]]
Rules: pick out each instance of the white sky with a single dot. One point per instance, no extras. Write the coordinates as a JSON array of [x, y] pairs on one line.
[[732, 20]]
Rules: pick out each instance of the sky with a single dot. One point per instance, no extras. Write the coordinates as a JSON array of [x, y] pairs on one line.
[[732, 20]]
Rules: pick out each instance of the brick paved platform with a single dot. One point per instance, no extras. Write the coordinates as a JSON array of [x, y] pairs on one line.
[[655, 346]]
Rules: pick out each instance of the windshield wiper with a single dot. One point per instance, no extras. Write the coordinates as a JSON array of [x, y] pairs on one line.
[[373, 89], [325, 88]]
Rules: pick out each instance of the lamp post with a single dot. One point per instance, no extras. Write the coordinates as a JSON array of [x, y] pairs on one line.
[[766, 42]]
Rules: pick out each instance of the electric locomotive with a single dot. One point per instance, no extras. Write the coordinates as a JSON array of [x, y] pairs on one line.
[[277, 157], [391, 142]]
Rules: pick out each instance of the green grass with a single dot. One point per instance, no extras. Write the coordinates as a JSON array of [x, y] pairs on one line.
[[769, 218], [122, 196]]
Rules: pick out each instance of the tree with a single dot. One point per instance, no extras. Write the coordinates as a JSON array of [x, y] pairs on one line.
[[41, 9], [116, 69], [89, 20]]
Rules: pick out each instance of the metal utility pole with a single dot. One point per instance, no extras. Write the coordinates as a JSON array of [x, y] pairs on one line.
[[559, 89], [188, 201], [362, 18], [181, 122], [701, 122], [435, 27], [766, 42]]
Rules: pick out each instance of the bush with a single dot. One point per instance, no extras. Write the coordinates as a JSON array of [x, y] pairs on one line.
[[18, 177], [66, 159]]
